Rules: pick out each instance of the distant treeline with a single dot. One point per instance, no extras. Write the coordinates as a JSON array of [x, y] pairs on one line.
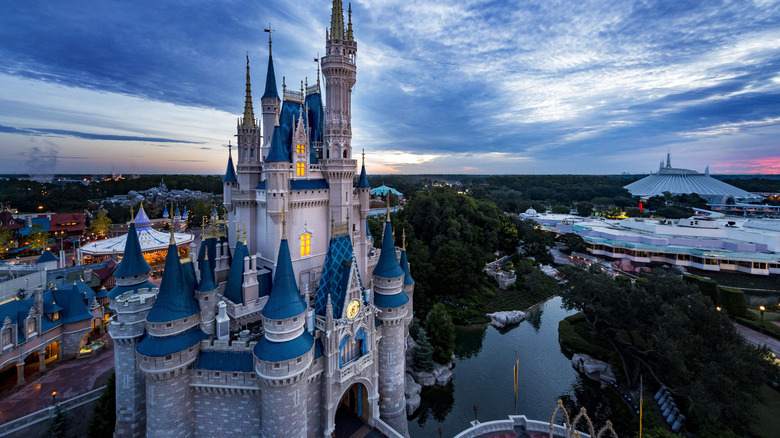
[[29, 196]]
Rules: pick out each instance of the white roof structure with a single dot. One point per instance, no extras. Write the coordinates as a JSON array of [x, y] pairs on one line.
[[150, 239], [684, 181]]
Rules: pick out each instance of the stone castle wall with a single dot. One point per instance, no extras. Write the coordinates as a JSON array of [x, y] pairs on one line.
[[130, 385], [392, 360], [170, 407], [221, 412]]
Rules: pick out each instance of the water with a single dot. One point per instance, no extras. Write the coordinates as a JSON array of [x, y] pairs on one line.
[[483, 376]]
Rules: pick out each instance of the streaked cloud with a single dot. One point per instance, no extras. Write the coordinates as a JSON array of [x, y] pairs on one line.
[[447, 86]]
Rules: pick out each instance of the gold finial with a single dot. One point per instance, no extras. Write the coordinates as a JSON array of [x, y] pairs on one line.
[[403, 239], [284, 85], [238, 232], [132, 215], [244, 240], [364, 158], [349, 24], [203, 234], [332, 223], [230, 149], [388, 205], [303, 91], [284, 225]]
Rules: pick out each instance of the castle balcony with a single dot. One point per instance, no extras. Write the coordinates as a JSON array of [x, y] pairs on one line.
[[354, 368]]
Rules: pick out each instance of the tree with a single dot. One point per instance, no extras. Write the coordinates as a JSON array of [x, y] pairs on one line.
[[442, 333], [573, 242], [59, 425], [423, 353], [669, 329], [104, 418], [38, 239], [101, 224], [6, 239]]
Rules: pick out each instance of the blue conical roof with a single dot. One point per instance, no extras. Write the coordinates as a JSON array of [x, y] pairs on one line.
[[368, 229], [236, 274], [405, 266], [230, 173], [206, 275], [270, 80], [46, 256], [285, 300], [133, 262], [276, 154], [142, 221], [388, 266], [165, 212], [363, 181], [175, 299], [177, 212]]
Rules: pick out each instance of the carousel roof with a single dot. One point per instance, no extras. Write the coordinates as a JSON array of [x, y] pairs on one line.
[[150, 239]]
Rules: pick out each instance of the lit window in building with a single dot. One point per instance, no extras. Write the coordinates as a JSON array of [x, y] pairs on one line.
[[301, 149], [301, 169], [305, 244]]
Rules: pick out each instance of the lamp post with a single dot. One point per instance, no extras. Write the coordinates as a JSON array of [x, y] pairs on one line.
[[762, 309]]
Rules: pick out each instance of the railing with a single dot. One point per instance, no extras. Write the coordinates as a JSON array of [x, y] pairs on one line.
[[386, 430], [48, 413]]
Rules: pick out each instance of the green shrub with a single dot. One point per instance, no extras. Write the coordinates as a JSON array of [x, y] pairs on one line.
[[571, 340], [733, 301], [708, 287]]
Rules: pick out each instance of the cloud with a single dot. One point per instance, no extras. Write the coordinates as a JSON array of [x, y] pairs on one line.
[[590, 87]]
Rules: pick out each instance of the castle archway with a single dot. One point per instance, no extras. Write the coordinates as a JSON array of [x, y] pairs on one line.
[[353, 411]]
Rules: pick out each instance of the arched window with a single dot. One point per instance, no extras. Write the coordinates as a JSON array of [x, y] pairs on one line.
[[345, 153], [352, 349]]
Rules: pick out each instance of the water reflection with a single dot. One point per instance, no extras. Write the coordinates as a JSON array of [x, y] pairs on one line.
[[534, 317], [483, 376], [436, 403], [468, 341]]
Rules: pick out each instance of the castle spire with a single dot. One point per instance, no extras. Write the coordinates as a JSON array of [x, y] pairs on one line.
[[349, 24], [230, 173], [249, 115], [270, 76], [337, 21], [363, 180]]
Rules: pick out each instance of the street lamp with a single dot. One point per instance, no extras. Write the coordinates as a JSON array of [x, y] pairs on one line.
[[718, 308], [762, 309]]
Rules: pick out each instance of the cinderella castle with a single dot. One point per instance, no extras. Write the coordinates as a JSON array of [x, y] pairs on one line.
[[286, 318]]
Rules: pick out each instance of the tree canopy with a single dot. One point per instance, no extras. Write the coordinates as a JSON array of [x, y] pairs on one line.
[[668, 328]]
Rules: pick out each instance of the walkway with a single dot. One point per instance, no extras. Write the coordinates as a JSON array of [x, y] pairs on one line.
[[757, 338], [69, 379]]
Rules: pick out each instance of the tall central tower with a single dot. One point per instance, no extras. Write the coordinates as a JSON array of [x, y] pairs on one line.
[[339, 69]]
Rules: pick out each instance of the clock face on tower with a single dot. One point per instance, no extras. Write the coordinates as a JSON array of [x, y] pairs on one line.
[[353, 308]]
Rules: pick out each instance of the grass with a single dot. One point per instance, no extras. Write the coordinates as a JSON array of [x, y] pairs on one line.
[[768, 422]]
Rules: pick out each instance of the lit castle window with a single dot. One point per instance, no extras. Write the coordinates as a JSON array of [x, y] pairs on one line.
[[301, 169], [305, 244], [301, 149]]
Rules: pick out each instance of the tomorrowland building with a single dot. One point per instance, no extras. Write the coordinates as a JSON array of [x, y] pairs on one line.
[[684, 181]]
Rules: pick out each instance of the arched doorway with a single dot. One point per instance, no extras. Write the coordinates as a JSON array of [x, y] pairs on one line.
[[352, 413]]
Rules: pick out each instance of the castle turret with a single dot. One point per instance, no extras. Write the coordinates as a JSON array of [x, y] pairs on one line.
[[229, 181], [207, 294], [170, 346], [408, 281], [365, 243], [284, 354], [339, 70], [277, 181], [394, 307], [270, 101], [131, 299], [249, 142]]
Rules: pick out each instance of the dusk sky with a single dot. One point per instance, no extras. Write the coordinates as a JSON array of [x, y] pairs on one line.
[[444, 86]]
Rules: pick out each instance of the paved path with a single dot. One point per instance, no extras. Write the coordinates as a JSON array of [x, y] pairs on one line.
[[757, 338], [69, 379]]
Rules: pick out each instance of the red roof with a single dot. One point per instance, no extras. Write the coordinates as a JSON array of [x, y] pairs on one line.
[[67, 222], [7, 220]]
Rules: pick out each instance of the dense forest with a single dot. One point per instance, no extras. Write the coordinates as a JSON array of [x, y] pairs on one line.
[[28, 195]]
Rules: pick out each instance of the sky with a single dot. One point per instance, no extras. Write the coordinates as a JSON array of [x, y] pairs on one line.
[[443, 86]]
